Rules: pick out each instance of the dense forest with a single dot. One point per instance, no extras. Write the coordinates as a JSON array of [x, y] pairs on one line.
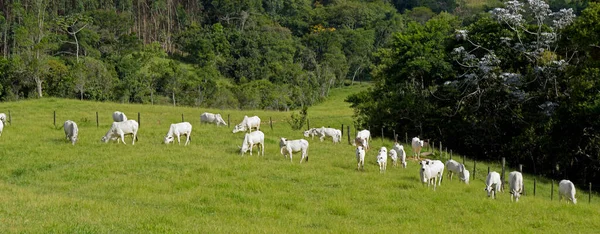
[[491, 79], [520, 81]]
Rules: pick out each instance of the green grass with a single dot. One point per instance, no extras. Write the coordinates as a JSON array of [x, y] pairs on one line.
[[48, 185]]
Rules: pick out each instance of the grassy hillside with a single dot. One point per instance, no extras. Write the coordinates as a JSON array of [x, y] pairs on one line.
[[48, 185]]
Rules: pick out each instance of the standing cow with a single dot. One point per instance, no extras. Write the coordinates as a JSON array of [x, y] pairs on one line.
[[417, 145], [247, 124], [212, 118], [454, 167], [382, 159], [362, 139], [566, 189], [178, 129], [515, 184], [119, 116], [251, 139], [401, 153], [432, 170], [360, 157], [493, 184], [118, 130], [287, 147], [71, 131]]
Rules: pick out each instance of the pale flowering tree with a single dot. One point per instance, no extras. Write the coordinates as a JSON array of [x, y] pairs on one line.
[[533, 33]]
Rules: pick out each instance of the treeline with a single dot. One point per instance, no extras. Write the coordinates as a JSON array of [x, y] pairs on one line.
[[267, 54], [520, 81]]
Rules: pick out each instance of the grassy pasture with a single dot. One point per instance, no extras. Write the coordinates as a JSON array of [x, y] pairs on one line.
[[48, 185]]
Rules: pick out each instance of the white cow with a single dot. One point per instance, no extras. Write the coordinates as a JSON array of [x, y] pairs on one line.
[[382, 159], [178, 129], [566, 189], [71, 131], [287, 147], [118, 130], [3, 118], [335, 134], [454, 167], [360, 157], [119, 116], [312, 132], [401, 153], [362, 138], [394, 157], [247, 124], [432, 170], [417, 145], [493, 184], [465, 175], [251, 139], [212, 118], [515, 184]]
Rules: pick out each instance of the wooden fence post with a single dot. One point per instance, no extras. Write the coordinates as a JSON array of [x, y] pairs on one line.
[[271, 122], [552, 191], [395, 136], [382, 134], [521, 170], [488, 170], [590, 193], [308, 124], [348, 131], [503, 177], [342, 130], [441, 153], [139, 122], [406, 137], [54, 119], [182, 119], [228, 123], [9, 118], [97, 123]]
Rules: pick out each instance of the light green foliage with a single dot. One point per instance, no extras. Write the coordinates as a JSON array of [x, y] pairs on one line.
[[48, 185]]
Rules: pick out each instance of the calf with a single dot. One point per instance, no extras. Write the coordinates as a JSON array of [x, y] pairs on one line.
[[382, 159], [290, 146], [394, 157], [417, 145], [178, 129], [71, 131], [566, 189], [360, 157], [251, 139], [493, 184], [515, 184], [118, 130]]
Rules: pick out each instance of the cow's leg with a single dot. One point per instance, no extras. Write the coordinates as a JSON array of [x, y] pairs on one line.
[[122, 138], [178, 139], [187, 141], [251, 148]]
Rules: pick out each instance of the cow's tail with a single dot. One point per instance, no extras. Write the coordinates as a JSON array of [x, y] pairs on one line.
[[136, 137]]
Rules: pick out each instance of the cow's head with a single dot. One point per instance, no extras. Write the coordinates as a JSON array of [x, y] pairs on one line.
[[307, 133], [220, 120], [574, 200], [169, 139], [239, 128], [74, 139], [104, 139], [488, 189]]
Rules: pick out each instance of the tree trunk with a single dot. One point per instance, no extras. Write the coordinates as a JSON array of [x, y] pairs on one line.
[[151, 97], [173, 98], [38, 83]]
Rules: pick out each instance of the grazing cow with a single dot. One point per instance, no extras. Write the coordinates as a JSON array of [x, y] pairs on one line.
[[515, 183], [566, 189], [417, 145], [360, 157], [212, 118], [247, 124], [71, 131], [454, 167], [119, 116], [323, 132], [118, 130], [3, 118], [287, 147], [432, 170], [178, 129], [401, 153], [382, 159], [394, 157], [312, 132], [362, 138], [493, 184], [251, 139], [465, 175]]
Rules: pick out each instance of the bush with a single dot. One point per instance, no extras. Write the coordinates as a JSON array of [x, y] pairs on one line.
[[297, 120]]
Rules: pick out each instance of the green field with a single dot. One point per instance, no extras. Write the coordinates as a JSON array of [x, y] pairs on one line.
[[48, 185]]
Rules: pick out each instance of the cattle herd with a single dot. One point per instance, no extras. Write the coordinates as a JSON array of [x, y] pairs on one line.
[[431, 171]]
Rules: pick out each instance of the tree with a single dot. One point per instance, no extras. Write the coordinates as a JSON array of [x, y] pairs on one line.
[[72, 25]]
